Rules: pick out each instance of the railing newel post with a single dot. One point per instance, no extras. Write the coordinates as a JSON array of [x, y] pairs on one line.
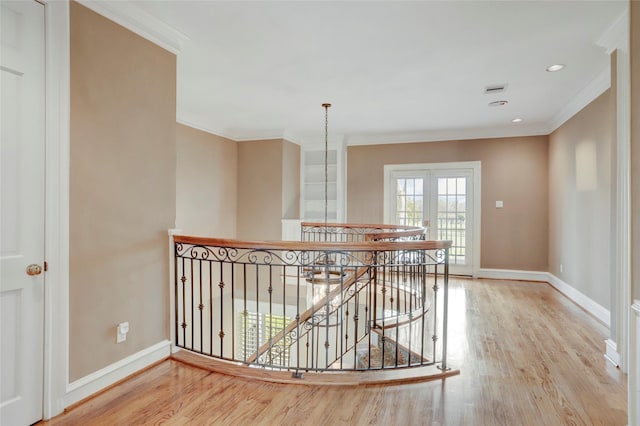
[[173, 289], [445, 313]]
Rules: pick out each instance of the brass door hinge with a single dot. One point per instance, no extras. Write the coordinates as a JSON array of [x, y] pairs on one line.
[[46, 267]]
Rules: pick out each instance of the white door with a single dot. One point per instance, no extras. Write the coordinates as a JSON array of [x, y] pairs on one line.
[[440, 197], [21, 211]]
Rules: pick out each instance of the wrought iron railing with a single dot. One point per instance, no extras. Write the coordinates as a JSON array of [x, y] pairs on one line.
[[372, 303]]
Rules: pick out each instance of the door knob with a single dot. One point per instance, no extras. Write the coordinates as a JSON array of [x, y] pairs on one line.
[[34, 269]]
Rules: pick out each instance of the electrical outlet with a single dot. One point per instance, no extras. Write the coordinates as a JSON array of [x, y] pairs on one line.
[[121, 332]]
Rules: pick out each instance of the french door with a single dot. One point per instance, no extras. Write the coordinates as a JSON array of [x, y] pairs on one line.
[[440, 197]]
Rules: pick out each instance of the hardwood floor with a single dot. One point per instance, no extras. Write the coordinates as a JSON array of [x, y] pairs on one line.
[[526, 354]]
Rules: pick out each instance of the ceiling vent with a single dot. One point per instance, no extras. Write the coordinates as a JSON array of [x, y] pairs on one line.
[[496, 88]]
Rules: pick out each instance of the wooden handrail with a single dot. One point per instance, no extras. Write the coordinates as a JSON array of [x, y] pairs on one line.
[[358, 225], [314, 245], [394, 234]]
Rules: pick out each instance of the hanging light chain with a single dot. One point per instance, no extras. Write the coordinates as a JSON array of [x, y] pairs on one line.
[[326, 165]]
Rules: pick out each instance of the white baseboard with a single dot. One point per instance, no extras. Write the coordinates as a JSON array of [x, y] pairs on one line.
[[95, 382], [585, 302], [509, 274], [611, 352]]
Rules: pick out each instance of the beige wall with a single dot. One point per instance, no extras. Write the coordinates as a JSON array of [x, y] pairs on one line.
[[260, 190], [122, 190], [268, 188], [635, 145], [206, 185], [580, 200], [514, 170], [290, 180]]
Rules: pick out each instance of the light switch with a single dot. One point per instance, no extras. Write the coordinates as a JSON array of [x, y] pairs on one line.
[[121, 332], [499, 204]]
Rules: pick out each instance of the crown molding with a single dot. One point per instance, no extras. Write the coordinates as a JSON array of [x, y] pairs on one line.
[[587, 95], [260, 135], [140, 22], [447, 135], [206, 129], [380, 139], [617, 35]]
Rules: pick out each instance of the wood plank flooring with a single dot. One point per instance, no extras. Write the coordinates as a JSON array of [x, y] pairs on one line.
[[526, 354]]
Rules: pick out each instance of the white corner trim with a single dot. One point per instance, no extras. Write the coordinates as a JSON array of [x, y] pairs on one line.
[[622, 278], [585, 302], [587, 95], [56, 299], [140, 22], [509, 274], [94, 382], [174, 231], [611, 352]]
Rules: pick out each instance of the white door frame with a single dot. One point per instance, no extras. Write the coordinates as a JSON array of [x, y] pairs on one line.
[[56, 299], [474, 166]]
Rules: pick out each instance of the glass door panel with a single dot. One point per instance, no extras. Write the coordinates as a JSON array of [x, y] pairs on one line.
[[440, 198]]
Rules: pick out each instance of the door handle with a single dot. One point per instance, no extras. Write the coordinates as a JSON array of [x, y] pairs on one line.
[[34, 269]]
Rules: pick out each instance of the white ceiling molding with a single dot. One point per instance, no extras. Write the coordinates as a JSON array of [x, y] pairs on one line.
[[258, 135], [617, 35], [587, 95], [245, 137], [205, 129], [614, 37], [140, 22], [516, 130], [261, 135], [448, 135]]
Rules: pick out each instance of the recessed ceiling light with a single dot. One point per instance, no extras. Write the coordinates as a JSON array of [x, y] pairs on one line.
[[517, 120], [555, 67], [498, 103]]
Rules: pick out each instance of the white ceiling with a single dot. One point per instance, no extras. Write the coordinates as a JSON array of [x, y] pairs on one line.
[[394, 71]]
